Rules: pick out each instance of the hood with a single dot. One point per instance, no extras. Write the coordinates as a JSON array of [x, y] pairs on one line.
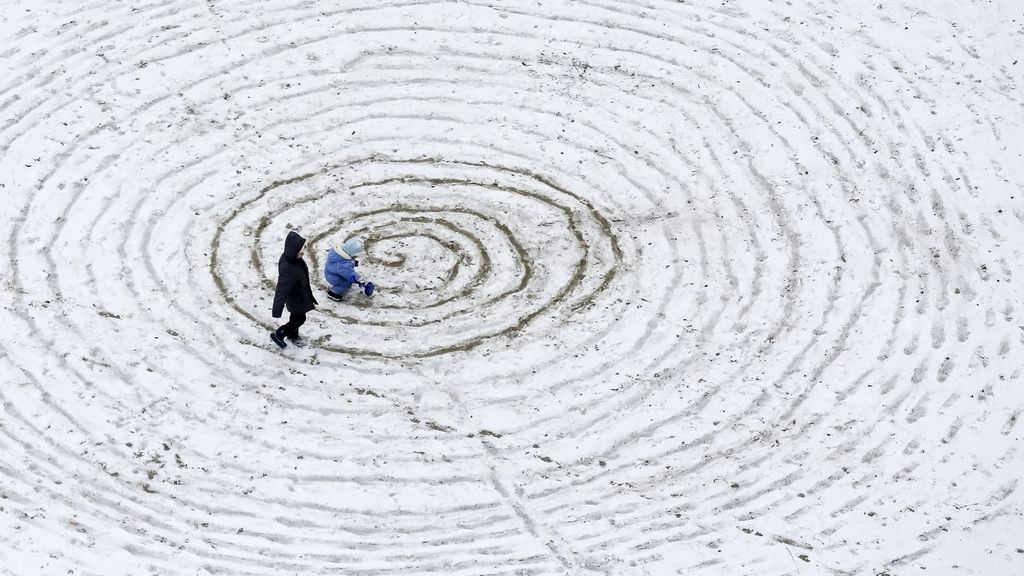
[[340, 251], [350, 249], [293, 245]]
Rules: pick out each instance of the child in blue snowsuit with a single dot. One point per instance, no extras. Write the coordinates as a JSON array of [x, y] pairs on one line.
[[340, 270]]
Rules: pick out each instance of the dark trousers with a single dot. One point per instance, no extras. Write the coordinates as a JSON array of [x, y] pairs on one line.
[[291, 329]]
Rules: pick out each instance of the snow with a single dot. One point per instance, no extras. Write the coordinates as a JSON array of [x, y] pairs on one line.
[[663, 287]]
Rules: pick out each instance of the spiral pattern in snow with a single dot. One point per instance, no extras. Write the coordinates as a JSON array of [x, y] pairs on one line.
[[663, 287]]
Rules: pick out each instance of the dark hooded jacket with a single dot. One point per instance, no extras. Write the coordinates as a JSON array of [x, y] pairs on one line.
[[293, 289]]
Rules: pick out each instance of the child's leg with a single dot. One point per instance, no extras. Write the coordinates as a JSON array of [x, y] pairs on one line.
[[291, 329], [340, 287]]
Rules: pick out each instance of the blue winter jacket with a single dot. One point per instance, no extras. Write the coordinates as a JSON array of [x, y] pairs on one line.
[[340, 272]]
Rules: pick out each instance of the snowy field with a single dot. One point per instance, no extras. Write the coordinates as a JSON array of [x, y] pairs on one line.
[[697, 287]]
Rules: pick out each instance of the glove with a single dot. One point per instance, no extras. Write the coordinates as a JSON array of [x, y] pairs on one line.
[[368, 288]]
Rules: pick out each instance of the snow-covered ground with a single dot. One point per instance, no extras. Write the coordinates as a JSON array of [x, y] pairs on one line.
[[693, 287]]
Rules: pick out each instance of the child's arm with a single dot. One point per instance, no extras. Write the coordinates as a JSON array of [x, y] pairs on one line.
[[285, 284]]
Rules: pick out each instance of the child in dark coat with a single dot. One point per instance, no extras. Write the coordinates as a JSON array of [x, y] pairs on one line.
[[293, 291]]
